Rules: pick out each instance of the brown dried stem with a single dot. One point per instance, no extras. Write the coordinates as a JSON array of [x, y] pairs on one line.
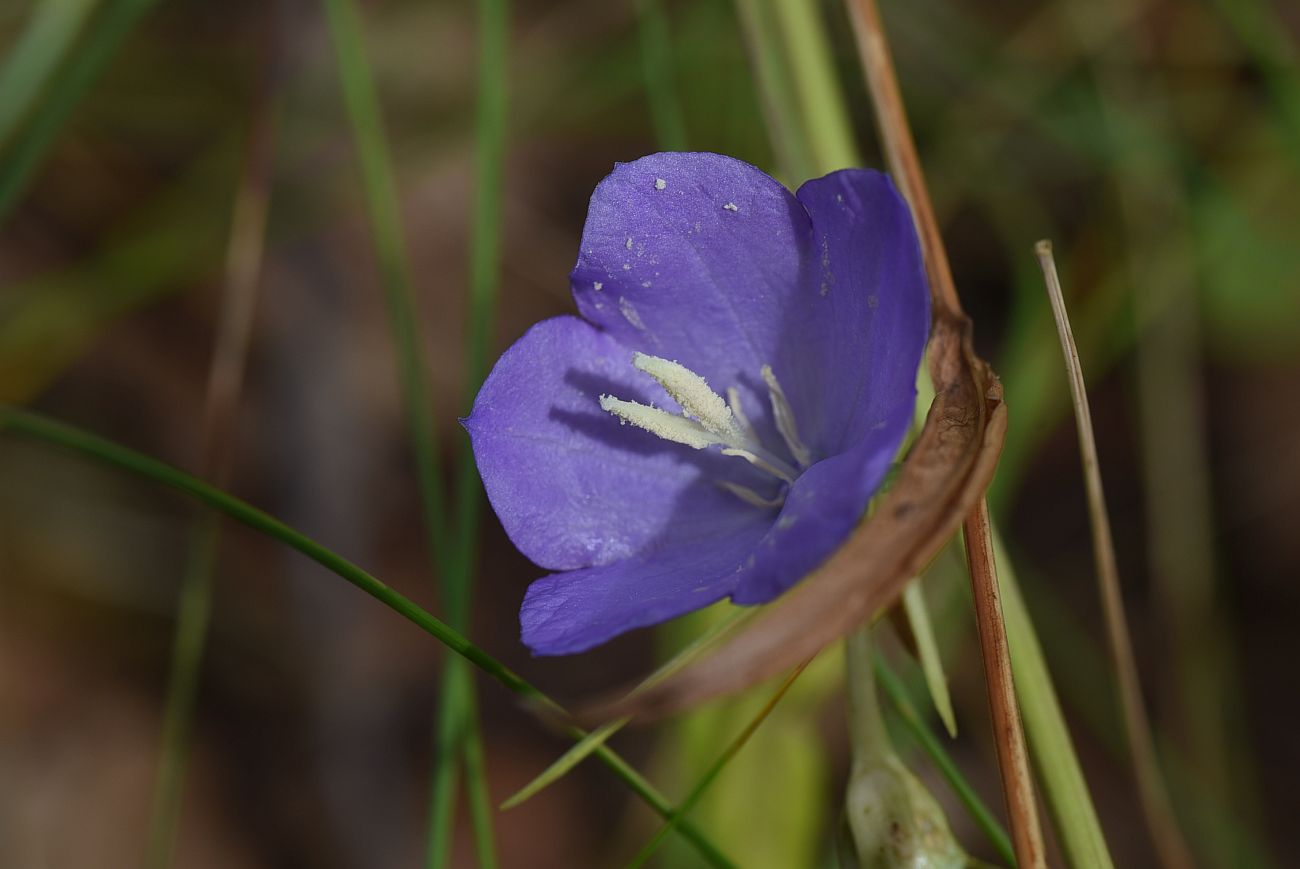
[[900, 151], [1156, 807]]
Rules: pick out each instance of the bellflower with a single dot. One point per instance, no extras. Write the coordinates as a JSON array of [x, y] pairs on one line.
[[715, 422]]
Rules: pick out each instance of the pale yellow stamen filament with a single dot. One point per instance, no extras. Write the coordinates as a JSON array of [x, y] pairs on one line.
[[784, 416], [749, 496]]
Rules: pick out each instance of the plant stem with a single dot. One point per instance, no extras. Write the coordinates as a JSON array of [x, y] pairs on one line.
[[1009, 735], [932, 746], [1137, 726], [59, 434], [225, 378], [657, 66]]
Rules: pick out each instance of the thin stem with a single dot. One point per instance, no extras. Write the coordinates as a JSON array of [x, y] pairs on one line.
[[900, 150], [390, 248], [1013, 759], [457, 709], [451, 563], [85, 63], [225, 377], [189, 639], [776, 93], [828, 131], [1137, 726], [1079, 831], [867, 734], [933, 747], [657, 67], [59, 434], [714, 770]]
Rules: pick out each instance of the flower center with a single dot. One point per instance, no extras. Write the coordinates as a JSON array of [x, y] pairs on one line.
[[709, 420]]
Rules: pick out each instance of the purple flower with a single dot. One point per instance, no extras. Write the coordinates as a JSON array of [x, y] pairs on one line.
[[715, 423]]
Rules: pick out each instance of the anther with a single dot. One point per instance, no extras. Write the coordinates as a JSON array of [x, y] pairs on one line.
[[692, 392], [668, 426]]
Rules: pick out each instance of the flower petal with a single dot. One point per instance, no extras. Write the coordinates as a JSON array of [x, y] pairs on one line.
[[572, 487], [695, 258], [571, 612], [852, 358], [820, 510], [853, 351]]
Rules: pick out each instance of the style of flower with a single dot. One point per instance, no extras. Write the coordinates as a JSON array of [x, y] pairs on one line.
[[715, 422]]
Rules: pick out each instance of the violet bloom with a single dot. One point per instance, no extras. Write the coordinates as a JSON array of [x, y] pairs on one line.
[[734, 392]]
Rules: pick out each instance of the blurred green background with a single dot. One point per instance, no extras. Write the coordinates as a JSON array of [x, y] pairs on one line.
[[1156, 143]]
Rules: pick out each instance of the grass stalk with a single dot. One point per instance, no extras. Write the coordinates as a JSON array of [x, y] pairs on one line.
[[457, 696], [776, 92], [61, 96], [927, 650], [657, 66], [900, 150], [1064, 785], [1008, 730], [457, 727], [189, 639], [714, 770], [33, 60], [225, 377], [821, 103], [1154, 799], [68, 437], [933, 747]]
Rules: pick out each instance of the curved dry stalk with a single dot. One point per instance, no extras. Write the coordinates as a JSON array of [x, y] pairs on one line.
[[1152, 795]]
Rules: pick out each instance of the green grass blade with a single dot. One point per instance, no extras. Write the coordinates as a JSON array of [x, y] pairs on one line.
[[85, 63], [457, 712], [675, 817], [566, 762], [657, 63], [776, 92], [979, 812], [821, 99], [452, 733], [178, 718], [1064, 787], [927, 649], [390, 247], [598, 737], [33, 61], [68, 437]]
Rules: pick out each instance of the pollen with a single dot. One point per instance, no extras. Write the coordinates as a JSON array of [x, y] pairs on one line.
[[668, 426], [660, 184], [692, 392], [707, 419]]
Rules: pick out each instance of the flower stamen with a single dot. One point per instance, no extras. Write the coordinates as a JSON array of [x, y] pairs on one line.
[[764, 461], [749, 496], [738, 413], [692, 392], [668, 426], [784, 416], [709, 420]]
